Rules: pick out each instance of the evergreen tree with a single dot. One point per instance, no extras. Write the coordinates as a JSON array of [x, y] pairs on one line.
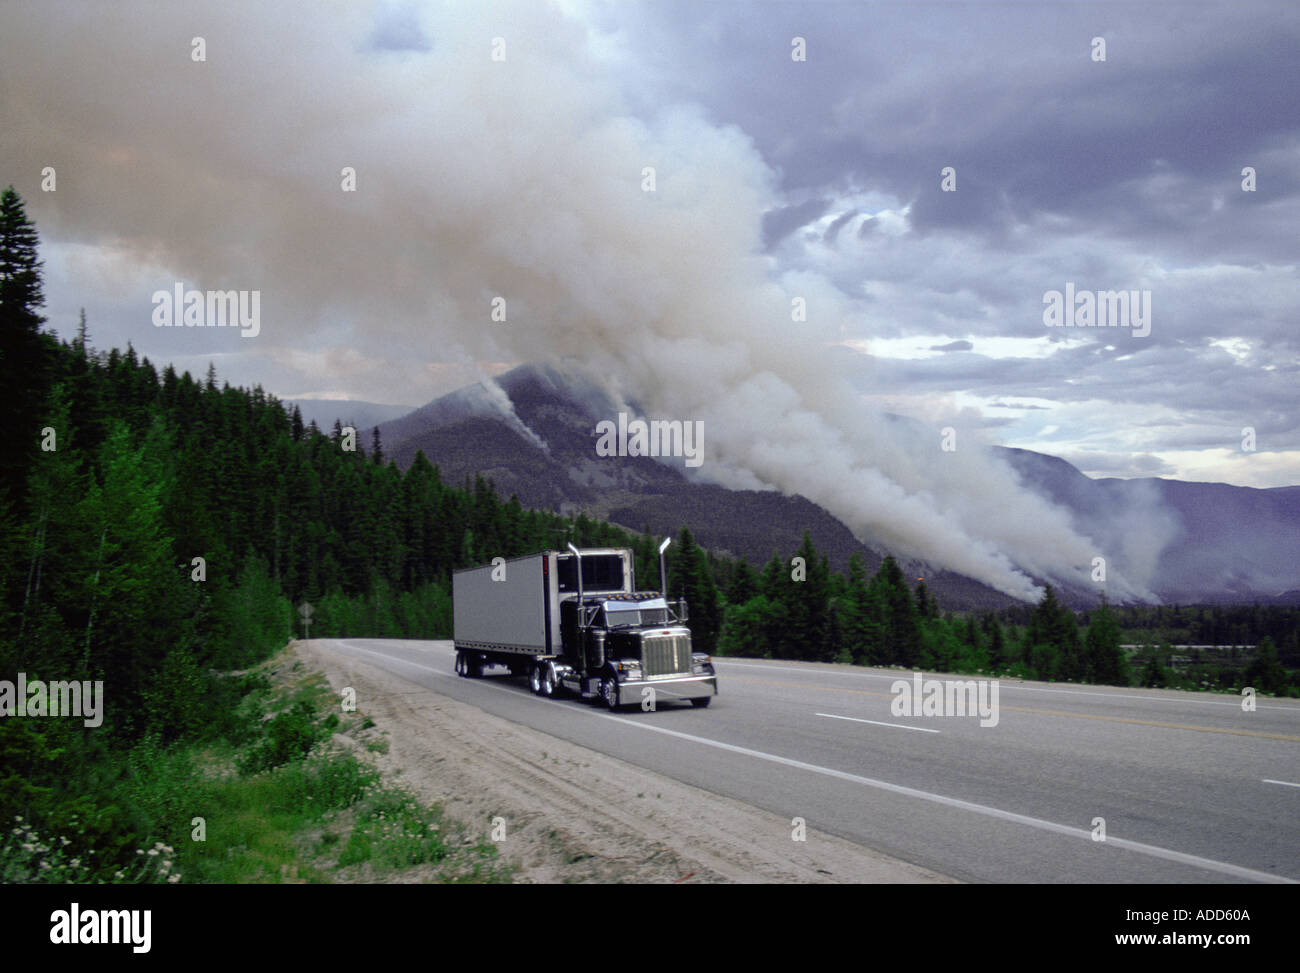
[[779, 638], [690, 578], [903, 645], [25, 353], [862, 616], [1105, 658], [808, 604], [926, 606], [997, 644], [744, 583]]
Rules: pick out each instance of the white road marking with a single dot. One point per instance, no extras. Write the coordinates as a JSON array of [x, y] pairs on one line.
[[1154, 851], [1006, 683], [395, 658], [900, 726], [1284, 783]]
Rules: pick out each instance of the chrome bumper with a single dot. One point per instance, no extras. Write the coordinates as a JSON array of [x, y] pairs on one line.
[[682, 687]]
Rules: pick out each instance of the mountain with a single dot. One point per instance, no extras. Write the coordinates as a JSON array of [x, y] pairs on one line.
[[1230, 543], [1210, 542]]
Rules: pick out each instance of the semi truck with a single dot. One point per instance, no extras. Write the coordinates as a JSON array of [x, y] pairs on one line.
[[575, 624]]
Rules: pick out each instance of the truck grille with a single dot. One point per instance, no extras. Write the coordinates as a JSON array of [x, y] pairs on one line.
[[666, 655]]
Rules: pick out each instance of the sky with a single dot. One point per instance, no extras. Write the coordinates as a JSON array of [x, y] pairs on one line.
[[500, 150]]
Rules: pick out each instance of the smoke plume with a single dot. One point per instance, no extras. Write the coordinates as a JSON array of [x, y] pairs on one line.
[[523, 179]]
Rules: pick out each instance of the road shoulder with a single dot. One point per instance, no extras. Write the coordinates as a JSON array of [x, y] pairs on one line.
[[571, 814]]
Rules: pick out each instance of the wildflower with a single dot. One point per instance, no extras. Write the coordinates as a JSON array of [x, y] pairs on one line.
[[153, 852]]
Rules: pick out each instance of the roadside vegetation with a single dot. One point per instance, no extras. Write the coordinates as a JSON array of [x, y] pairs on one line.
[[284, 792]]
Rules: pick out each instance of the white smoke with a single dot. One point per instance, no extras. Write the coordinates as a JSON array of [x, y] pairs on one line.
[[522, 179], [496, 395]]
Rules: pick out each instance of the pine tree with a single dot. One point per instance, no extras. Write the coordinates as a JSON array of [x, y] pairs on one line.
[[902, 630], [744, 583], [690, 578], [926, 606], [809, 606], [862, 614], [1105, 658], [997, 642], [26, 354], [779, 639]]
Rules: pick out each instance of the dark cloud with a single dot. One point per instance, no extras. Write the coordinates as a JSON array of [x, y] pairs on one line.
[[837, 224], [780, 223]]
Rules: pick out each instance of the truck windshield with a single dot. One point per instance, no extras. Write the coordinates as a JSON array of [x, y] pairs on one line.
[[622, 614], [600, 572], [617, 615]]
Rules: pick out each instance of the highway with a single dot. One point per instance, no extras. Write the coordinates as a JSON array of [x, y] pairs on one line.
[[1191, 788]]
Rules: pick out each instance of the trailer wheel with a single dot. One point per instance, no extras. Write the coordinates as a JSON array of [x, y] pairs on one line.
[[609, 693], [460, 664], [474, 666]]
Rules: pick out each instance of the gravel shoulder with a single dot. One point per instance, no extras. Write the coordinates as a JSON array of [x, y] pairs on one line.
[[571, 814]]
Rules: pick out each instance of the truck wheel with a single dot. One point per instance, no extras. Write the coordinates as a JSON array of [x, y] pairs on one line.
[[701, 702], [535, 679], [609, 693], [548, 682]]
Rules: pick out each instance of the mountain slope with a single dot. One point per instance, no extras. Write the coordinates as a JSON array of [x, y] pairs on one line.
[[534, 436]]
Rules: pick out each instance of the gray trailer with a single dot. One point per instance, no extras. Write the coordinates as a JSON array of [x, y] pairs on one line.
[[573, 623]]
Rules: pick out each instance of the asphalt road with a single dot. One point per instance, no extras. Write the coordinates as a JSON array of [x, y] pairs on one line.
[[1190, 787]]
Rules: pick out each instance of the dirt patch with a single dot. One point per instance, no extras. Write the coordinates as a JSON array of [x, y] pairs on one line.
[[571, 814]]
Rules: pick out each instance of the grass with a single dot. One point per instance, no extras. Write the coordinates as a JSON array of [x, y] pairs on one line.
[[271, 800]]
